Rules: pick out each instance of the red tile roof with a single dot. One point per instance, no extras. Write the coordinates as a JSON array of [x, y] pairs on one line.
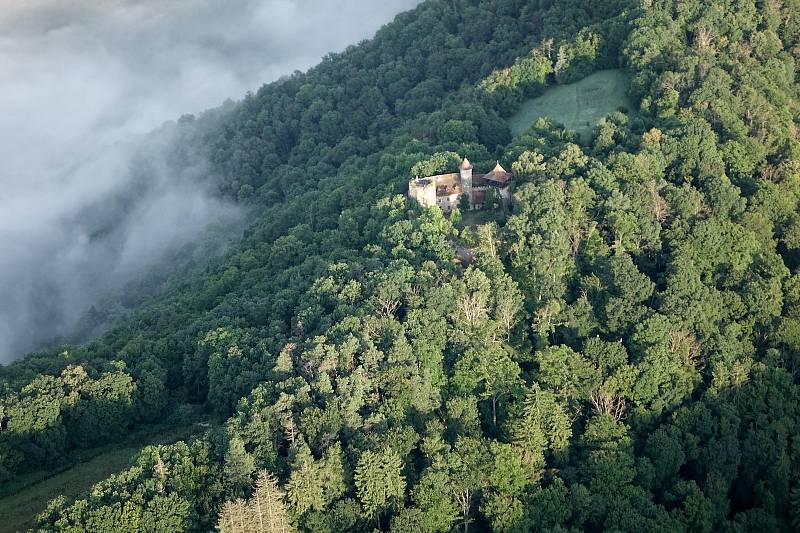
[[498, 175]]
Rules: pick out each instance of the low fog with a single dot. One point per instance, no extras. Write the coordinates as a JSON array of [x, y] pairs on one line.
[[82, 211]]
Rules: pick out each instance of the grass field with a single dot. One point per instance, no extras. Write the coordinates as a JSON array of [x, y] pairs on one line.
[[481, 216], [578, 106], [18, 510]]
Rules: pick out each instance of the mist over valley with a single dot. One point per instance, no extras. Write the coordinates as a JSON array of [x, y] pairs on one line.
[[89, 200]]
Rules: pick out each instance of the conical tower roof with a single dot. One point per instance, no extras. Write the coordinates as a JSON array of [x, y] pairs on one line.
[[498, 175], [465, 164]]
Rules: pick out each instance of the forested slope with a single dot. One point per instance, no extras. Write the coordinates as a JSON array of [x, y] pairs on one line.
[[623, 353]]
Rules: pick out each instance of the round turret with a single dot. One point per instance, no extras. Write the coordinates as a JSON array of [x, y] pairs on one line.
[[466, 178]]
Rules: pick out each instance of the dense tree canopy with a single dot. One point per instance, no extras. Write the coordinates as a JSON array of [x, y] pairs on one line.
[[622, 352]]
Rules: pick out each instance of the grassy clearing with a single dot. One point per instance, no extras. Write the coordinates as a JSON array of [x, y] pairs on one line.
[[479, 217], [578, 106], [18, 510]]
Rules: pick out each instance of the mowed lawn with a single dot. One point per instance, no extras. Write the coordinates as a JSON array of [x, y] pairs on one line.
[[18, 510], [578, 106]]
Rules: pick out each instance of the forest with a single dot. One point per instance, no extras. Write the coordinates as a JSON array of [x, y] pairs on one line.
[[622, 354]]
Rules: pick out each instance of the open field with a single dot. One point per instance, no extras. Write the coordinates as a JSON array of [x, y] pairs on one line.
[[578, 106], [18, 510]]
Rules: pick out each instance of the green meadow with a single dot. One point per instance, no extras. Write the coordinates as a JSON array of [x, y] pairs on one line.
[[18, 509], [578, 106]]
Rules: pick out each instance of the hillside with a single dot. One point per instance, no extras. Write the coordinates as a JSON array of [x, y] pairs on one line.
[[623, 354]]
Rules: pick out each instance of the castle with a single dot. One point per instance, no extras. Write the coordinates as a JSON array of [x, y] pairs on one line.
[[445, 190]]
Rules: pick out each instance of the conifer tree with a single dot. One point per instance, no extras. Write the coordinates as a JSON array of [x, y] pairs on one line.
[[239, 467], [378, 480], [268, 505], [235, 517], [264, 512], [305, 490], [543, 425]]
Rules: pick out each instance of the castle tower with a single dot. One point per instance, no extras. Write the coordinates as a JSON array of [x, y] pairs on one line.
[[466, 178]]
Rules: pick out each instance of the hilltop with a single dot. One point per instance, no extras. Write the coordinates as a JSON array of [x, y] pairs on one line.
[[623, 353]]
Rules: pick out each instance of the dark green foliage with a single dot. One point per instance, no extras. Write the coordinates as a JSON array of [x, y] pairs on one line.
[[622, 354]]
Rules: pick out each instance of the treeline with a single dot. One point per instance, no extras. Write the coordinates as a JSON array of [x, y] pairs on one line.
[[623, 353], [574, 43]]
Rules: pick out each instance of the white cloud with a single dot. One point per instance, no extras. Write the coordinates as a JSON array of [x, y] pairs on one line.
[[79, 81]]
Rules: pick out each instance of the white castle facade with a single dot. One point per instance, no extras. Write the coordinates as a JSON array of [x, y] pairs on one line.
[[446, 190]]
